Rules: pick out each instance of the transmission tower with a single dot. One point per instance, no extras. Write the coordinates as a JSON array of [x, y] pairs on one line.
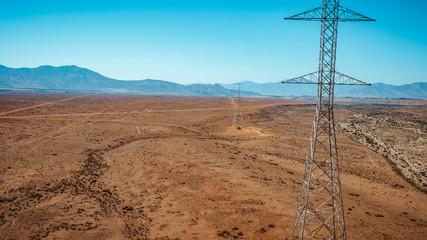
[[238, 116], [320, 211]]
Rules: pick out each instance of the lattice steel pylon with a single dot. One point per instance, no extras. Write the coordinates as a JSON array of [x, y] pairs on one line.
[[238, 116], [320, 210]]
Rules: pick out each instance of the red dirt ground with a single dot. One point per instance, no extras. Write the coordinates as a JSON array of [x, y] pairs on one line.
[[118, 167]]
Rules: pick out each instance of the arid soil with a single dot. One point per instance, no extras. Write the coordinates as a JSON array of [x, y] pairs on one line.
[[399, 135], [120, 167]]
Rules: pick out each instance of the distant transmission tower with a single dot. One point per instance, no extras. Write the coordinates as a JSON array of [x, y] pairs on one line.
[[320, 211], [238, 116]]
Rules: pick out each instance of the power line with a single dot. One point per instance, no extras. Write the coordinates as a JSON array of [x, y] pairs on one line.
[[238, 116]]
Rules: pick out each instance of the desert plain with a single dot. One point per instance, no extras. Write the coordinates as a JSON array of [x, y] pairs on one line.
[[151, 167]]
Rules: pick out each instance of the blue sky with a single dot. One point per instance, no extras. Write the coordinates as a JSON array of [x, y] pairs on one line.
[[212, 41]]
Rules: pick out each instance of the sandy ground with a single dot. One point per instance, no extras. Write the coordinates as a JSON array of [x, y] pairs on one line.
[[118, 167]]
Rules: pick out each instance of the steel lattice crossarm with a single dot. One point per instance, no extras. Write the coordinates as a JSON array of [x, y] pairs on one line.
[[313, 78], [344, 15]]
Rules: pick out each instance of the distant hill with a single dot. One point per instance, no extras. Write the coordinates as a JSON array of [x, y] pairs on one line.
[[276, 88], [48, 77], [74, 78], [381, 90], [377, 90]]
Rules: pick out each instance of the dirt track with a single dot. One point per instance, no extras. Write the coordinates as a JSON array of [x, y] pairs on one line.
[[114, 167]]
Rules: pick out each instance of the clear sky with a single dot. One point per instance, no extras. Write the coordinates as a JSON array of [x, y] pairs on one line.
[[212, 41]]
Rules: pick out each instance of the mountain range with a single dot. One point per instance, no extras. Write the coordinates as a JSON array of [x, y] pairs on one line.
[[377, 90], [73, 78]]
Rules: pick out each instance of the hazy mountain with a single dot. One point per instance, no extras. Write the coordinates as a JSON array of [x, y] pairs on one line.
[[382, 90], [76, 78], [276, 88], [48, 77], [377, 90]]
